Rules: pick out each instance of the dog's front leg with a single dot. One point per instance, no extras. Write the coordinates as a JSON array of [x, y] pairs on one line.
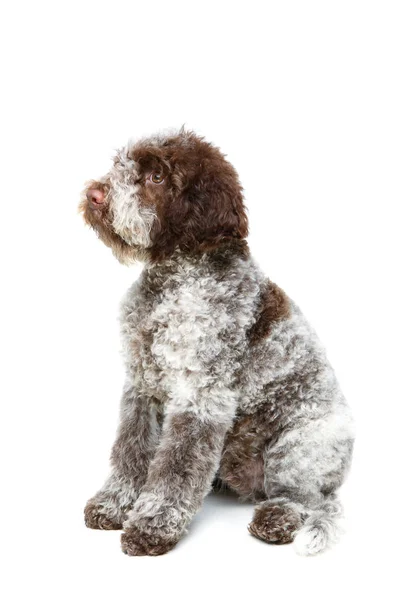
[[133, 449], [180, 476]]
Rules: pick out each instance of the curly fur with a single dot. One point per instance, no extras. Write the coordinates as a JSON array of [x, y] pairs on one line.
[[226, 382]]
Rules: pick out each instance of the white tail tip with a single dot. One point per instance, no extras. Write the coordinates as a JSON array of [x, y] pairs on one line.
[[319, 532]]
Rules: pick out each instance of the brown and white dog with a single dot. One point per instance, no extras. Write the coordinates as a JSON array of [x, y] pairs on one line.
[[226, 383]]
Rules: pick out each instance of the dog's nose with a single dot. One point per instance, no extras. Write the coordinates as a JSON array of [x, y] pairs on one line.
[[96, 197]]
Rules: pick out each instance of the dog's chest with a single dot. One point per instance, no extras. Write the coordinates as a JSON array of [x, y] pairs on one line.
[[140, 323], [183, 330]]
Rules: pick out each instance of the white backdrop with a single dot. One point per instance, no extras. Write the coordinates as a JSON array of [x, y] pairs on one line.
[[304, 98]]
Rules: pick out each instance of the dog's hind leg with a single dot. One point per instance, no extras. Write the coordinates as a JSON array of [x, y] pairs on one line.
[[302, 471]]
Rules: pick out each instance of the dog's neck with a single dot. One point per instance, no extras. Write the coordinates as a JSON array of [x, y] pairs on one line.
[[195, 264]]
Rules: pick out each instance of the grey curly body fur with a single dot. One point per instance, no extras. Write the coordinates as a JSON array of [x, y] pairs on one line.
[[219, 391], [201, 401]]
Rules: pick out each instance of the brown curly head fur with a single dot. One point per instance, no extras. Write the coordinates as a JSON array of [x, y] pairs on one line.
[[192, 189]]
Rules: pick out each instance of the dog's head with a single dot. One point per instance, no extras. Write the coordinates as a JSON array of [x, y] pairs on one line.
[[164, 193]]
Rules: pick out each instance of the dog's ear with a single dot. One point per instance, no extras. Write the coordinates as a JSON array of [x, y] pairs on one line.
[[216, 206], [206, 209]]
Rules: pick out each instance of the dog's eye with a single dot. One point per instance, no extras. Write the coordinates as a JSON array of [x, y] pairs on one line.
[[157, 178]]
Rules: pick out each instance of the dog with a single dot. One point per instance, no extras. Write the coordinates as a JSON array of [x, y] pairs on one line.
[[227, 385]]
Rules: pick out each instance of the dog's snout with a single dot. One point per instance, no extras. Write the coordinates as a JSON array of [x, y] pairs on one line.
[[96, 197]]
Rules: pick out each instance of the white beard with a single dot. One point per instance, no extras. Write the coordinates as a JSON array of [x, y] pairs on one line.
[[130, 220]]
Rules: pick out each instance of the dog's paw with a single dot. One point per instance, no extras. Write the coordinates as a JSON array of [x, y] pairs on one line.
[[135, 542], [275, 524], [96, 518]]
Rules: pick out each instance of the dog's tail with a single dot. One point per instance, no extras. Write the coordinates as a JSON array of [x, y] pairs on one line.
[[321, 528]]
